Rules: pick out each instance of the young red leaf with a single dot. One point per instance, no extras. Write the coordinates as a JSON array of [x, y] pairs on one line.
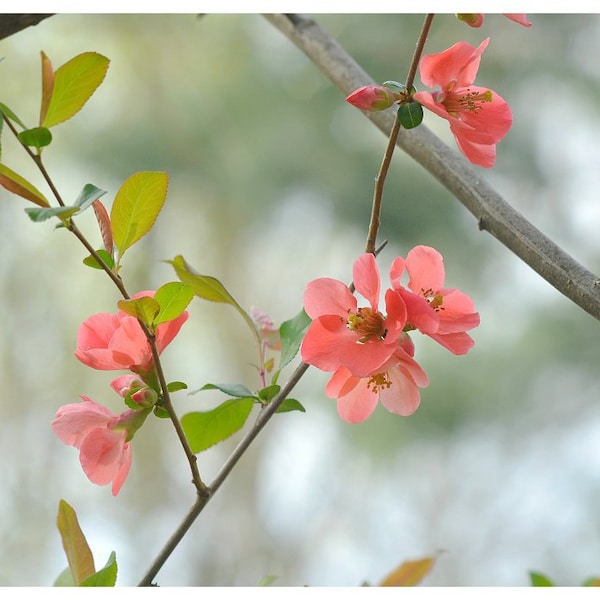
[[17, 185]]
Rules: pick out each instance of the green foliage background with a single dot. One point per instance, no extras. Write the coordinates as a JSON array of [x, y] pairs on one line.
[[271, 176]]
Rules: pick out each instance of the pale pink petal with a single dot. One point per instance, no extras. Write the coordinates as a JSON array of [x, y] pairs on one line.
[[425, 266], [123, 469], [326, 296], [521, 19], [366, 278], [419, 312], [74, 421], [396, 315], [329, 344], [456, 66], [93, 337], [129, 345], [397, 271], [355, 400], [402, 397], [166, 332], [101, 454], [457, 343]]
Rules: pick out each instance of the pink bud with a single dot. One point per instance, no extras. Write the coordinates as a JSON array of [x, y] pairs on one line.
[[145, 397], [372, 98]]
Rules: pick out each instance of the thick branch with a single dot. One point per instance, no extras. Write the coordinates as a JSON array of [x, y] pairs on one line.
[[11, 23], [492, 212]]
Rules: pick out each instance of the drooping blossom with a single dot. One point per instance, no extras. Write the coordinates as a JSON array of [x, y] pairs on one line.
[[103, 439], [109, 341], [372, 97], [479, 117], [476, 19], [395, 384], [454, 309], [361, 339]]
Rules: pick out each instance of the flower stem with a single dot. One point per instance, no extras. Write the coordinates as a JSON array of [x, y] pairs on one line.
[[393, 137]]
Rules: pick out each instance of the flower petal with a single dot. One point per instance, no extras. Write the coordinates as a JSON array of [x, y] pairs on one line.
[[326, 296], [74, 422], [366, 278], [425, 267]]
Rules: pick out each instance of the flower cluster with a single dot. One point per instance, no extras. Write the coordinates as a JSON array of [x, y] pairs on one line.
[[108, 341], [479, 117], [370, 352]]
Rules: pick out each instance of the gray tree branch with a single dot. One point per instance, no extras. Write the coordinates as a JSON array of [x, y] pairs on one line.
[[492, 212], [11, 23]]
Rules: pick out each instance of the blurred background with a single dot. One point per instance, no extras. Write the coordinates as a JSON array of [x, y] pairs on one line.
[[271, 178]]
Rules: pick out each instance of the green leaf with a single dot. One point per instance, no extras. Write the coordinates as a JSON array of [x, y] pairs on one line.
[[136, 207], [268, 393], [161, 412], [289, 404], [90, 261], [17, 185], [292, 333], [37, 215], [539, 580], [175, 386], [410, 114], [173, 299], [88, 195], [11, 115], [105, 577], [145, 309], [64, 579], [74, 83], [209, 288], [79, 555], [205, 429], [592, 582], [266, 580], [231, 389], [204, 286], [38, 137]]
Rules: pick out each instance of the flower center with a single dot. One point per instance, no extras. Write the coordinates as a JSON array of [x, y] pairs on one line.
[[465, 101], [376, 382], [368, 324], [435, 299]]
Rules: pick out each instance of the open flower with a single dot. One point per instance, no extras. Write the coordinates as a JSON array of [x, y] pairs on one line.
[[454, 309], [103, 439], [396, 384], [108, 341], [344, 335], [478, 117]]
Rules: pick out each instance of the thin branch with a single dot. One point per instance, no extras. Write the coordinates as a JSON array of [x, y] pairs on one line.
[[492, 212]]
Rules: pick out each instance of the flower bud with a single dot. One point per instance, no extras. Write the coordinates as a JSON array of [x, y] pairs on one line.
[[473, 20], [145, 397], [372, 98]]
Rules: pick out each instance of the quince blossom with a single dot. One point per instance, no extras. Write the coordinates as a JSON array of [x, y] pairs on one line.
[[108, 341], [344, 335], [103, 439], [454, 310], [478, 117], [396, 384]]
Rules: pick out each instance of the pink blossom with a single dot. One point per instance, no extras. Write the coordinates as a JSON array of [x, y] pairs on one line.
[[476, 19], [108, 341], [372, 97], [344, 335], [454, 309], [478, 117], [101, 437], [396, 384]]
